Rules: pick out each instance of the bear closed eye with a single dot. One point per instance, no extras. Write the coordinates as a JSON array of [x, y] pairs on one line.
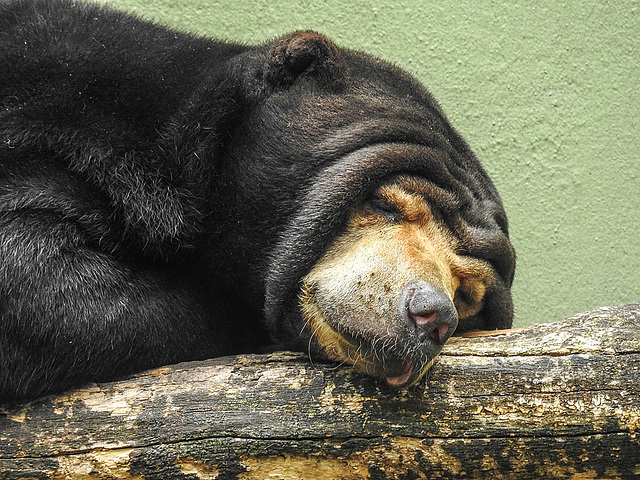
[[166, 197]]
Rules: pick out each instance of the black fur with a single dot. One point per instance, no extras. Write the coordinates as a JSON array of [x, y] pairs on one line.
[[161, 195]]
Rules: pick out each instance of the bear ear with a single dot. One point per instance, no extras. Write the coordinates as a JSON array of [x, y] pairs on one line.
[[305, 54]]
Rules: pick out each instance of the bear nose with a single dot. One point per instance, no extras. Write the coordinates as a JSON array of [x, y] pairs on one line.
[[430, 311]]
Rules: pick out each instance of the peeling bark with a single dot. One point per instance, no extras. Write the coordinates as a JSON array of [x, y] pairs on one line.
[[558, 400]]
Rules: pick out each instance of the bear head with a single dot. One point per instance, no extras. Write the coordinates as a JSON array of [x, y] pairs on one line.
[[357, 218]]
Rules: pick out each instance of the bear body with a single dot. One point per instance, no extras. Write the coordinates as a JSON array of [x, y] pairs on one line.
[[165, 197]]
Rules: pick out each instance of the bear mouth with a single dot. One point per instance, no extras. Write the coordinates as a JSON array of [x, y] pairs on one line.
[[403, 378], [398, 369], [399, 373]]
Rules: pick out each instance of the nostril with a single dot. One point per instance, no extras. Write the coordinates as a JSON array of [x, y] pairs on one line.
[[442, 333], [428, 324], [426, 319], [431, 326], [430, 310]]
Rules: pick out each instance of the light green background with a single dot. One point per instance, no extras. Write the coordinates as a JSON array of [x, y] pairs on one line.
[[546, 93]]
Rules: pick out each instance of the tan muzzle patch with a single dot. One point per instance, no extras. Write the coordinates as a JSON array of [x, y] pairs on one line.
[[354, 301]]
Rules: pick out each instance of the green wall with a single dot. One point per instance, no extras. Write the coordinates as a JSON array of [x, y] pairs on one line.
[[545, 92]]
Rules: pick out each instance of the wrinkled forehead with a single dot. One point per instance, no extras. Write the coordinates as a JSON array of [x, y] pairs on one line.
[[358, 109], [313, 131]]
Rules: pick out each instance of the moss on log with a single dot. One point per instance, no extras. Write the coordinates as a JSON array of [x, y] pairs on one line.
[[558, 400]]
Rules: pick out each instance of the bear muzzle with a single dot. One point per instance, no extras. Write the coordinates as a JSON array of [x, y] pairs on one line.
[[398, 347]]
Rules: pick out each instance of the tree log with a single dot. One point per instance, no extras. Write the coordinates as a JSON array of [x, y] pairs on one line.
[[559, 400]]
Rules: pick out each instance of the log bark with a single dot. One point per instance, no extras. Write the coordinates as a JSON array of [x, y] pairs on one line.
[[558, 400]]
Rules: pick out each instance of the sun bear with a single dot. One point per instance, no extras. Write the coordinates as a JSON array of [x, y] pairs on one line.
[[166, 197]]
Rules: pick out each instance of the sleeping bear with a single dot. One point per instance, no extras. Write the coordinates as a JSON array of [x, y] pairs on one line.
[[166, 197]]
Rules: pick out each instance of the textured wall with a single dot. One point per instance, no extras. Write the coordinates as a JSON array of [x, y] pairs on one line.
[[545, 92]]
